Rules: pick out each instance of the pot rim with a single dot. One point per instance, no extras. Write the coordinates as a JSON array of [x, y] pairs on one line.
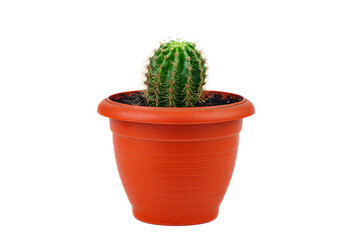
[[177, 115]]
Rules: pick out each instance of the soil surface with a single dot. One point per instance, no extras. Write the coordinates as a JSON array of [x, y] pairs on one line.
[[213, 99]]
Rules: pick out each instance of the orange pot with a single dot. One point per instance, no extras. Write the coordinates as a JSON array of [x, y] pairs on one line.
[[175, 163]]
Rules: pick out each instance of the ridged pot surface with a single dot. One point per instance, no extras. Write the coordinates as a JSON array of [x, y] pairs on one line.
[[175, 173]]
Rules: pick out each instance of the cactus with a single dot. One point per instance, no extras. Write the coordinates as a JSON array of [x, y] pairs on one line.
[[175, 75]]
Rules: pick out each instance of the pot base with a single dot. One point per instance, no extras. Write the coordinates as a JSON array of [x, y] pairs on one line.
[[190, 219]]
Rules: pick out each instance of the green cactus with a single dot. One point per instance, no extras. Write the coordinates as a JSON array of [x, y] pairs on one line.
[[175, 75]]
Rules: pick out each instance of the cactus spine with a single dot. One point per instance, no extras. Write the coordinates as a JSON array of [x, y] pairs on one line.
[[175, 75]]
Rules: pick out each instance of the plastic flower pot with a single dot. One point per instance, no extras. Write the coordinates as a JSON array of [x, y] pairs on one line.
[[175, 163]]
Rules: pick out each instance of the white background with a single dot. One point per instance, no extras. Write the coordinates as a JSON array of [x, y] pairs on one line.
[[298, 170]]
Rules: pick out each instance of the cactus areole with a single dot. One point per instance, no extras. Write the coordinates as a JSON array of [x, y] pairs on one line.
[[175, 144], [175, 75]]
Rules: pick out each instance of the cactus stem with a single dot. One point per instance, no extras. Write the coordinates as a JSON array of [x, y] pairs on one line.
[[176, 75]]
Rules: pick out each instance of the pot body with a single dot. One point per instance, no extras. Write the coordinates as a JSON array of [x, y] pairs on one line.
[[176, 163], [175, 174]]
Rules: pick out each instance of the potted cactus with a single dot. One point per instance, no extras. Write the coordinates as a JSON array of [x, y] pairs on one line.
[[175, 143]]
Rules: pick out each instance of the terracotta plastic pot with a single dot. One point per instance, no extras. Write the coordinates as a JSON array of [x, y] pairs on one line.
[[175, 163]]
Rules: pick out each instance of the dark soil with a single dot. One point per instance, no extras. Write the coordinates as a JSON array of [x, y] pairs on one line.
[[213, 99], [136, 98], [216, 99]]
